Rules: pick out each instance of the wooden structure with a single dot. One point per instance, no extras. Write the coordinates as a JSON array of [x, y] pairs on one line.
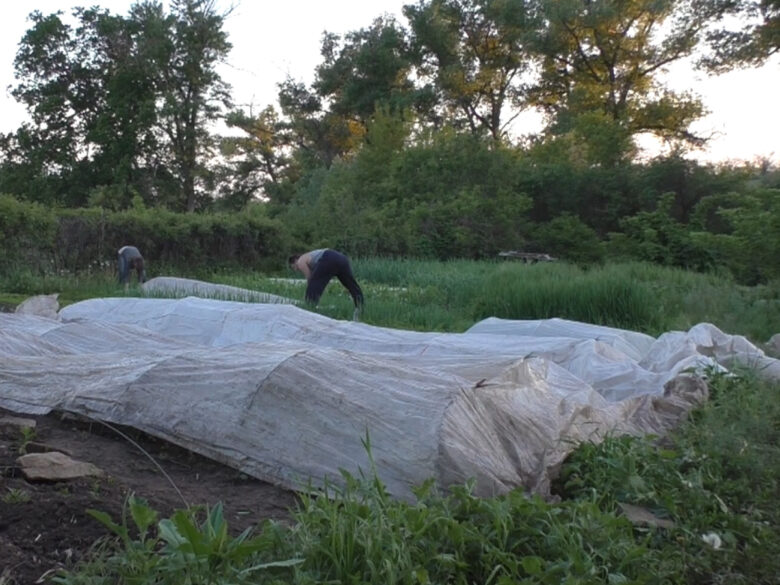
[[527, 256]]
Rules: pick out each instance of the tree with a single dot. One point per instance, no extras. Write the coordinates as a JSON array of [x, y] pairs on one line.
[[604, 57], [118, 104], [91, 97], [474, 54], [748, 34], [258, 159], [366, 70], [320, 136], [191, 91], [362, 72], [59, 88]]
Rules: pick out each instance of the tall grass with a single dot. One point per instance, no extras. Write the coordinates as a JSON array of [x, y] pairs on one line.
[[452, 296], [428, 295]]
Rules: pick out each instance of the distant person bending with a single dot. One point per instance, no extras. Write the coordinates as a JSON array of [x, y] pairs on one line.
[[319, 266], [130, 259]]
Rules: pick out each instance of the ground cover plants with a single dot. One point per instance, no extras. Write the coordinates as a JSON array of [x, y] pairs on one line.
[[709, 489]]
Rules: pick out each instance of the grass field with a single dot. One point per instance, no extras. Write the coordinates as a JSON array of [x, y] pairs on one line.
[[452, 296]]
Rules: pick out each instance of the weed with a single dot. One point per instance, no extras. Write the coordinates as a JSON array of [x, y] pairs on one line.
[[16, 496], [28, 435], [180, 549]]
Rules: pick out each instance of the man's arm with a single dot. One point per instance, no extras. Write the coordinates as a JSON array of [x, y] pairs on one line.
[[302, 264]]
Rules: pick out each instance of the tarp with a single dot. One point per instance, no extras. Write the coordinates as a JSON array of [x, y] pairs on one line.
[[290, 396]]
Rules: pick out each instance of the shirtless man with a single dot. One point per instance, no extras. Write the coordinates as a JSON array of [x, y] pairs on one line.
[[319, 266]]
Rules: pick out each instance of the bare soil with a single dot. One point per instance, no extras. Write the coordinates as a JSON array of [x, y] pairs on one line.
[[44, 525]]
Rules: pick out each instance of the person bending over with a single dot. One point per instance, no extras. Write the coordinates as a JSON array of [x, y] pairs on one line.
[[130, 259], [319, 266]]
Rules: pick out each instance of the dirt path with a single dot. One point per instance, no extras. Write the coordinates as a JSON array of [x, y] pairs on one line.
[[45, 525]]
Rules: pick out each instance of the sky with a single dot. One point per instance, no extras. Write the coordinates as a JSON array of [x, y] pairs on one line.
[[273, 39]]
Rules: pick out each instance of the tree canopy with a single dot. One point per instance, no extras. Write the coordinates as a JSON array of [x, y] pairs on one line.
[[403, 142], [119, 105]]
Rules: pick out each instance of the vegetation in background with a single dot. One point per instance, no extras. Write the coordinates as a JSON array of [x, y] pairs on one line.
[[400, 146], [120, 106]]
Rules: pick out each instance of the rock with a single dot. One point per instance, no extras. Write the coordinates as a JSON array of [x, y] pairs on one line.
[[54, 466], [643, 517], [40, 305]]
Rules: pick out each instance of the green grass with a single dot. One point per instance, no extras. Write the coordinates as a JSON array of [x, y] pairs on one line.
[[451, 296], [427, 295]]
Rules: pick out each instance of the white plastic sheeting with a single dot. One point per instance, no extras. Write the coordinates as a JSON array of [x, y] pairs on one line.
[[288, 395], [171, 286]]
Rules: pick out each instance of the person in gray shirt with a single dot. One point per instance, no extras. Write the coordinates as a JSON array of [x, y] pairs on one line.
[[130, 259], [319, 267]]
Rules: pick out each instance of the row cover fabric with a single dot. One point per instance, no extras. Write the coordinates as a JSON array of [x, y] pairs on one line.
[[290, 396], [172, 286]]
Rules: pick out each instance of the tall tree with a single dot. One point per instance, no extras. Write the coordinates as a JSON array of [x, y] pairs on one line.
[[319, 135], [191, 91], [604, 57], [474, 54], [365, 70], [125, 115], [59, 89], [258, 160], [118, 103]]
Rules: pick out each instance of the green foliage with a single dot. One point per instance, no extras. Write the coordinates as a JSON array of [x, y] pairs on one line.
[[16, 496], [182, 550], [749, 242], [474, 55], [366, 70], [718, 474], [654, 236], [568, 238], [743, 34], [455, 196], [26, 234], [605, 57], [449, 296], [37, 240], [28, 434], [119, 105], [597, 296]]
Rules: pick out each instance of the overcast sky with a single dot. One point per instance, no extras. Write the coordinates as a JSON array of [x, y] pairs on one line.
[[272, 39]]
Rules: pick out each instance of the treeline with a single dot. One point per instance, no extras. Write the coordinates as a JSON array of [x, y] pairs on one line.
[[456, 198], [402, 144]]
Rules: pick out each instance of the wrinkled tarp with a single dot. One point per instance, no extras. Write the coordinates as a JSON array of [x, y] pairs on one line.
[[288, 396]]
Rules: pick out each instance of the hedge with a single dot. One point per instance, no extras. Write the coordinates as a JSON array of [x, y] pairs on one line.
[[73, 240]]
